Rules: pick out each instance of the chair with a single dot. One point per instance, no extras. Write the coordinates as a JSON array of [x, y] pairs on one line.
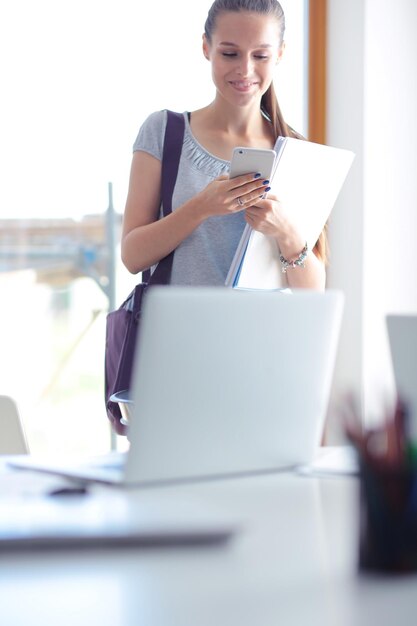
[[12, 435]]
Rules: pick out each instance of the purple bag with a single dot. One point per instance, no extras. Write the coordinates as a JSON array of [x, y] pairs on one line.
[[122, 324]]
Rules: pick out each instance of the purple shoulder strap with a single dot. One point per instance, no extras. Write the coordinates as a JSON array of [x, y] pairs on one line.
[[173, 140]]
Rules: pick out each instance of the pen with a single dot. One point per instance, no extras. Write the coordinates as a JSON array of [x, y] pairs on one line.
[[385, 447]]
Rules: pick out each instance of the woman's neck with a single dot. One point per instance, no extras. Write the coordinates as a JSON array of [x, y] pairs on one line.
[[245, 122], [220, 128]]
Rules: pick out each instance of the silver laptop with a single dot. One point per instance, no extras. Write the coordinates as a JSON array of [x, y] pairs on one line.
[[226, 382], [402, 333]]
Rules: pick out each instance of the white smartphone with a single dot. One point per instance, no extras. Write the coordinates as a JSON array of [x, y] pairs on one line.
[[252, 160]]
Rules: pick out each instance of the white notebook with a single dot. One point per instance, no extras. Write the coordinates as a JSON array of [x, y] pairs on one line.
[[308, 178]]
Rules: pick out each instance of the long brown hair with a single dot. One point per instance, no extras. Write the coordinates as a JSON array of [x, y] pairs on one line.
[[269, 102]]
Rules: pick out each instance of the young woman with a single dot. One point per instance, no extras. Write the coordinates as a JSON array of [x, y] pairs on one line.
[[243, 41]]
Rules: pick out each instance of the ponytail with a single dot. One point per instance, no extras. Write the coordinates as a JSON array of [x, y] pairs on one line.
[[271, 109]]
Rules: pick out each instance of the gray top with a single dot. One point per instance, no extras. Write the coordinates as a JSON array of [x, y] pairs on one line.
[[205, 256]]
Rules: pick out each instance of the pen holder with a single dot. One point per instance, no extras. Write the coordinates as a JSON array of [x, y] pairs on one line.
[[388, 519]]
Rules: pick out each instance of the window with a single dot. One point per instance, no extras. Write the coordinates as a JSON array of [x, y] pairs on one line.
[[77, 80]]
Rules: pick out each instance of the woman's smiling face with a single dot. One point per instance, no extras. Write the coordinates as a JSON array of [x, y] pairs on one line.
[[243, 51]]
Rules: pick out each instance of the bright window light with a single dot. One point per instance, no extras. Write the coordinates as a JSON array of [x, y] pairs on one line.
[[77, 79]]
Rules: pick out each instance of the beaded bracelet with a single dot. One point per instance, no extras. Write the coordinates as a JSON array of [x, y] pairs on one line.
[[298, 262]]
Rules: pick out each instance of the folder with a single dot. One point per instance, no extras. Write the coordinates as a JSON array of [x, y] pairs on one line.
[[307, 180]]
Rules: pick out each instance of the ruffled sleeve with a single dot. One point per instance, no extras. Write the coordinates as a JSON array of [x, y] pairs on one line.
[[151, 134]]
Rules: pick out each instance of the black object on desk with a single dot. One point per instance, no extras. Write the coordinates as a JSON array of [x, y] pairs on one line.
[[388, 493], [388, 524]]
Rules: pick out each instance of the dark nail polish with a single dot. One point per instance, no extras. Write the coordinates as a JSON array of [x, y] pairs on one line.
[[268, 189], [257, 175], [265, 182]]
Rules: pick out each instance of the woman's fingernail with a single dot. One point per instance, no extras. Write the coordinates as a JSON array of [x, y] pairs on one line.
[[257, 175], [268, 189], [265, 182]]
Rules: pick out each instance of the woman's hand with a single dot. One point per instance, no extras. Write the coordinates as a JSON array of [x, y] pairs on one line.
[[229, 195], [269, 217]]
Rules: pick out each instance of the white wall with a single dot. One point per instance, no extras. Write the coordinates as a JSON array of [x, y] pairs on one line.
[[390, 259], [345, 123], [372, 100]]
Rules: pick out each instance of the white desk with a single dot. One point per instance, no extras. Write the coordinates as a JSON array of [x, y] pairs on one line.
[[293, 563]]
